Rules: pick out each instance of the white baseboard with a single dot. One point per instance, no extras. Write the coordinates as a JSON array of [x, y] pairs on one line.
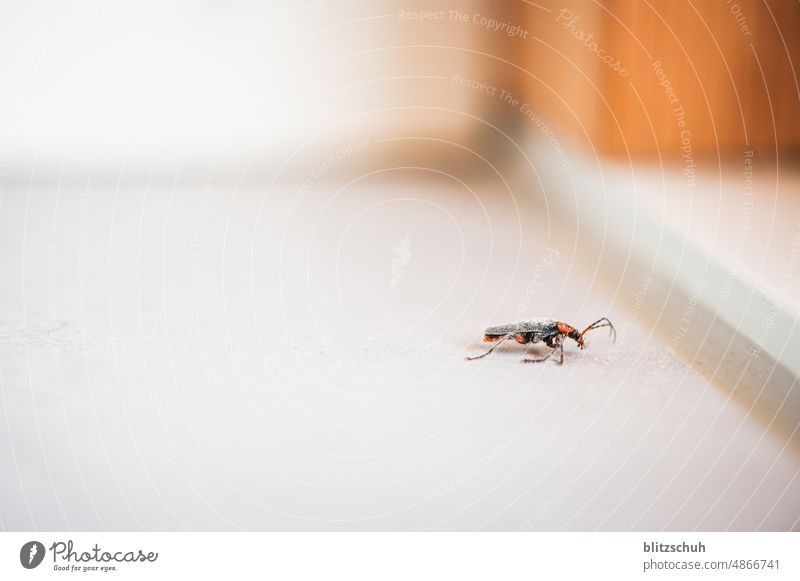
[[642, 232]]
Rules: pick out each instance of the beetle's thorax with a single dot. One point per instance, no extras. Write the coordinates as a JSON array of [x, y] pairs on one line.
[[564, 328]]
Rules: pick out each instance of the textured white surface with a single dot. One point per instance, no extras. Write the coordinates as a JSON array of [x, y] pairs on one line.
[[217, 359]]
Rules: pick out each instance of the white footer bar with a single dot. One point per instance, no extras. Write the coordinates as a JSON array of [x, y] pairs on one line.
[[406, 556]]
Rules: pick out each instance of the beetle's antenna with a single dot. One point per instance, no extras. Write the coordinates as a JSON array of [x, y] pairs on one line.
[[605, 323]]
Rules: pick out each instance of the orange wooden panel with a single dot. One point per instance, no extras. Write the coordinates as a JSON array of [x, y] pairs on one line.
[[668, 78]]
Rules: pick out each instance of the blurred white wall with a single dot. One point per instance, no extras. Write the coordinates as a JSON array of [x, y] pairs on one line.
[[135, 89]]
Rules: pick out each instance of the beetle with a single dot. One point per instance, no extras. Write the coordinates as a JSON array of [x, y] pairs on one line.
[[549, 331]]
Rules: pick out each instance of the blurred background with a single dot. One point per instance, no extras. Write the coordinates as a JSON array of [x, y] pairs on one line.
[[247, 245]]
